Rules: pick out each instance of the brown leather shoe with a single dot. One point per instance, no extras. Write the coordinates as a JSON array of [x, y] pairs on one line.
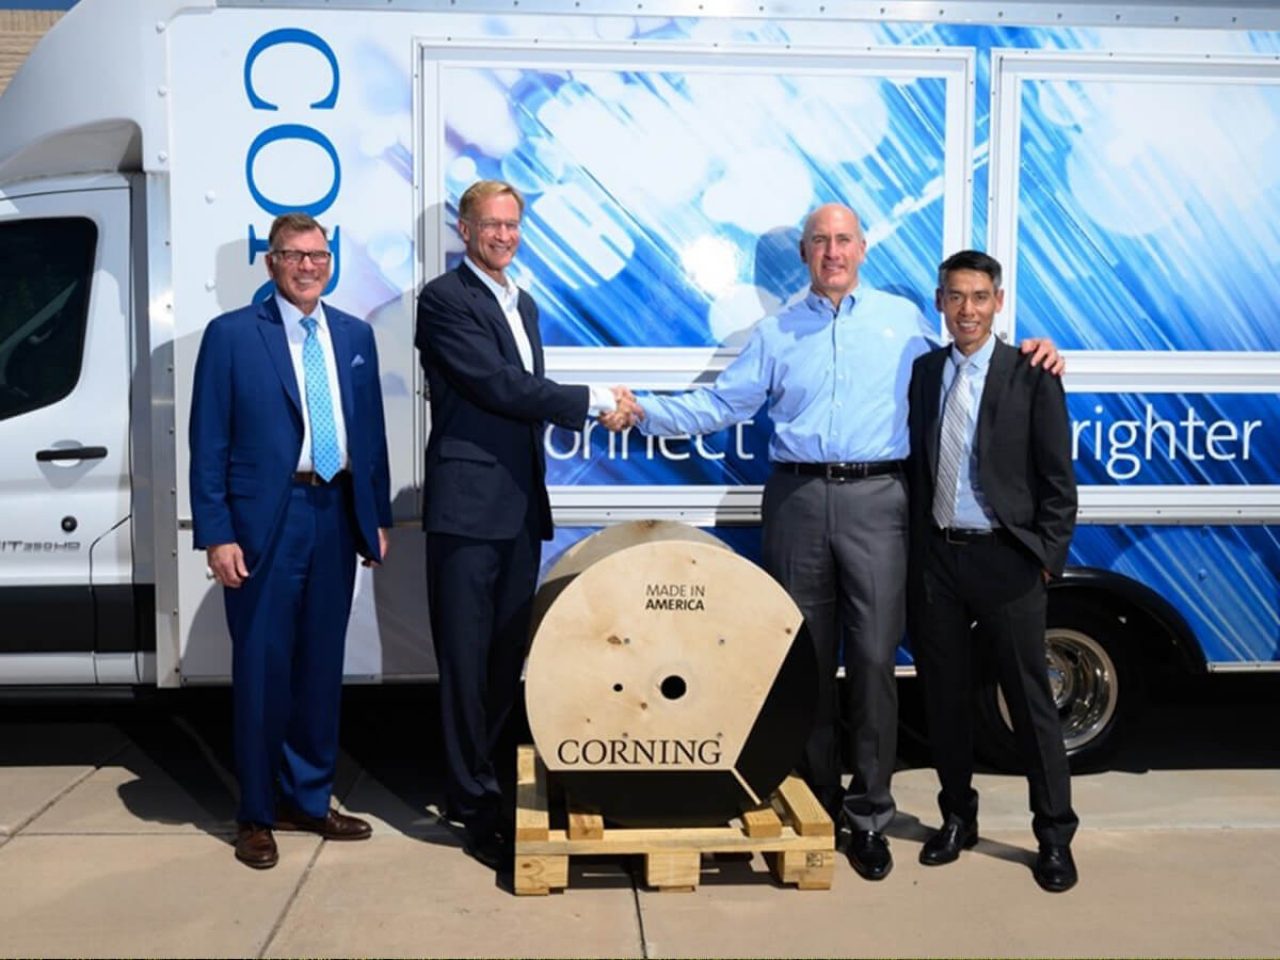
[[332, 826], [256, 847]]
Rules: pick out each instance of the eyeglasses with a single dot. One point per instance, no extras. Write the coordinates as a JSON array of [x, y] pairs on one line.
[[493, 226], [294, 257]]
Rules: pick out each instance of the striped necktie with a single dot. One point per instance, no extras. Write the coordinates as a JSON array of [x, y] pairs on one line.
[[951, 447], [325, 459]]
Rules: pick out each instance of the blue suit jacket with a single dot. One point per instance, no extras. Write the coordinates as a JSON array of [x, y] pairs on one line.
[[485, 461], [246, 429]]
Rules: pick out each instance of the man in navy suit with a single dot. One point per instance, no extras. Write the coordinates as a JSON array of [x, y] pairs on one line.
[[486, 510], [993, 507], [289, 482]]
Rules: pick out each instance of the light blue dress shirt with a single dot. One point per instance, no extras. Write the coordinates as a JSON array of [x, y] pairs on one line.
[[835, 380], [972, 510]]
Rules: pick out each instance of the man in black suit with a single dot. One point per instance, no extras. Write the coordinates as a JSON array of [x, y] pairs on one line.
[[993, 507], [486, 510]]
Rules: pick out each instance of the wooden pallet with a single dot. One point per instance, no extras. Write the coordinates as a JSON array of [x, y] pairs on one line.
[[792, 830]]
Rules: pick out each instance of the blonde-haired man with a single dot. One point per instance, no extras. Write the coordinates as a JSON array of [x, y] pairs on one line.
[[486, 510]]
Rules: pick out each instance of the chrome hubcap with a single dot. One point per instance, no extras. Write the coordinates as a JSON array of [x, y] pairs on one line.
[[1085, 687]]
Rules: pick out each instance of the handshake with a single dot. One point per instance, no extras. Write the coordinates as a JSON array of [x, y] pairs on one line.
[[627, 414]]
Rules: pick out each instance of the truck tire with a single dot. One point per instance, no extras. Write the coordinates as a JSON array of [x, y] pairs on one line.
[[1094, 681]]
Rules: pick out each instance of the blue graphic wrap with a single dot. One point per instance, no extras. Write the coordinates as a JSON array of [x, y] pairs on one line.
[[648, 221], [1223, 580], [1147, 215], [1175, 439], [733, 457]]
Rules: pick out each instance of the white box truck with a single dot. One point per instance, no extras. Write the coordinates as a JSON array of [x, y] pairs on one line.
[[1119, 158]]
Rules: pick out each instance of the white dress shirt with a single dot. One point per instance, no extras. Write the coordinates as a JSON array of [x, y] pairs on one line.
[[296, 334], [508, 296]]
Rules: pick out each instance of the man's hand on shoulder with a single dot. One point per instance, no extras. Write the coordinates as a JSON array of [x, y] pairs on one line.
[[1042, 350], [226, 563]]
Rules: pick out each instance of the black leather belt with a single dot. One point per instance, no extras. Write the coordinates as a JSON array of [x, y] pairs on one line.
[[957, 535], [309, 478], [842, 472]]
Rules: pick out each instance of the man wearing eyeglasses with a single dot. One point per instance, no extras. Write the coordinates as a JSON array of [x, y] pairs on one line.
[[289, 482], [486, 510]]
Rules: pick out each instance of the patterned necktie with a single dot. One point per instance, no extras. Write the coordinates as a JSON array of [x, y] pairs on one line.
[[951, 448], [324, 435]]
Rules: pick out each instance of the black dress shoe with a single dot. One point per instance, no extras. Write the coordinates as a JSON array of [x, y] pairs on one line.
[[1055, 869], [869, 854], [945, 845]]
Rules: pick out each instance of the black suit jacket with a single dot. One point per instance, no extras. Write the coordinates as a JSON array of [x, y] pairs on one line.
[[485, 462], [1024, 452]]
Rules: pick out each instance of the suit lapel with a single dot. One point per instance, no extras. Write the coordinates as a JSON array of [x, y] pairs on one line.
[[931, 396], [1002, 361], [489, 308], [277, 344], [340, 336]]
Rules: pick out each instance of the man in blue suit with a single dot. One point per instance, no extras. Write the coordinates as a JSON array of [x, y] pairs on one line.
[[486, 508], [289, 482]]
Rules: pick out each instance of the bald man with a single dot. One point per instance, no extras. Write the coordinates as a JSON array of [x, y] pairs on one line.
[[834, 370]]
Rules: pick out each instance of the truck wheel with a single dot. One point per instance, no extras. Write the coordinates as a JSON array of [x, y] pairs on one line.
[[1093, 685]]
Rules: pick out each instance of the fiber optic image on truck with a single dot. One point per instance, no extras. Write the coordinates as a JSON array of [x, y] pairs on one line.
[[1118, 159]]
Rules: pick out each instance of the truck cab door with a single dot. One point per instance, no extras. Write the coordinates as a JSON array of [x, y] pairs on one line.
[[66, 590]]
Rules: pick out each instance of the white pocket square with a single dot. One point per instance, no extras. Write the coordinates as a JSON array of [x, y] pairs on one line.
[[357, 361]]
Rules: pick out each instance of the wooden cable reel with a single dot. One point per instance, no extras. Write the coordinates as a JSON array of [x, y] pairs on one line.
[[670, 681]]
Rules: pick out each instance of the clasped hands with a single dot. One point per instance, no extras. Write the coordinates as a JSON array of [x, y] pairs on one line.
[[627, 414]]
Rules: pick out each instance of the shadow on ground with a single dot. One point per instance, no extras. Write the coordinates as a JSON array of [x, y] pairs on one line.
[[391, 734]]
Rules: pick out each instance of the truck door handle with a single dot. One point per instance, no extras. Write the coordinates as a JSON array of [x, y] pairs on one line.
[[71, 453]]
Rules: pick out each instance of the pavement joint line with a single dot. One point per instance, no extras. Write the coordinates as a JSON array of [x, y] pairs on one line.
[[21, 826], [635, 896], [293, 898]]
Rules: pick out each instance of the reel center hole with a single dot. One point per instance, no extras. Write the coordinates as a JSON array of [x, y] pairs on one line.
[[673, 687]]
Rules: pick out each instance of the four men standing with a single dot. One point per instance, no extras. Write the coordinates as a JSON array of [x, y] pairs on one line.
[[834, 367]]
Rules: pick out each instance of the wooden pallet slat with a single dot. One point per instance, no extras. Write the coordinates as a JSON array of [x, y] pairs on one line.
[[792, 831]]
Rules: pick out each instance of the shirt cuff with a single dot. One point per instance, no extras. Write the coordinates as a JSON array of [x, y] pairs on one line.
[[601, 400]]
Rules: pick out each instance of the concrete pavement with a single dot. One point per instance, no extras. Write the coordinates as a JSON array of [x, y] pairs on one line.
[[115, 831]]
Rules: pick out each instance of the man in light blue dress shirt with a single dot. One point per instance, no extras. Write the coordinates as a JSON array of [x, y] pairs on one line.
[[834, 369]]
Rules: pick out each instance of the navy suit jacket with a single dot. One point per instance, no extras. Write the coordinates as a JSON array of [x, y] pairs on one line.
[[1024, 452], [246, 429], [485, 465]]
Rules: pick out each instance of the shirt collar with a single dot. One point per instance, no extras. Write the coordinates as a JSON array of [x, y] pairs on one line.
[[817, 302], [977, 360], [292, 316], [507, 296]]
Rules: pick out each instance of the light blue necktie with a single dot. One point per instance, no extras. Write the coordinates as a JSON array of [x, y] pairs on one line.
[[325, 459]]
